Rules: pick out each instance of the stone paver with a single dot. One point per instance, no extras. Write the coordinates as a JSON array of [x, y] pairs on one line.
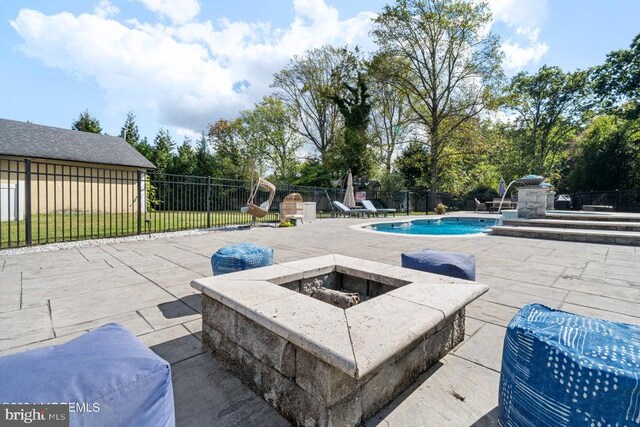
[[51, 297]]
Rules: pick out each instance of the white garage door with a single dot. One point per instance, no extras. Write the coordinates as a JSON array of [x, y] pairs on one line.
[[8, 202]]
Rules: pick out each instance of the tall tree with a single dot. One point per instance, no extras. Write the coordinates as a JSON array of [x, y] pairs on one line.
[[270, 132], [616, 83], [304, 84], [444, 61], [87, 123], [163, 146], [232, 157], [184, 162], [351, 95], [548, 107], [129, 131], [204, 162], [391, 116]]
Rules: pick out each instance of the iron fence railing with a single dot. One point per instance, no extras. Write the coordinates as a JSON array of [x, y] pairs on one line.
[[44, 202], [621, 200]]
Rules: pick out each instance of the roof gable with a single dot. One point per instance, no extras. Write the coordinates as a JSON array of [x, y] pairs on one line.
[[46, 142]]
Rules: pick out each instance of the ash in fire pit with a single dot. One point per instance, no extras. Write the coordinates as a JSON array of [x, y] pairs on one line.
[[331, 340]]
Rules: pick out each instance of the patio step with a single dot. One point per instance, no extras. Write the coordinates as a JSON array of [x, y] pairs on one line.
[[589, 225], [594, 216], [570, 234]]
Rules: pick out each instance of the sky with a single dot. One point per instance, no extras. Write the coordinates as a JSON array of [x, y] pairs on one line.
[[182, 64]]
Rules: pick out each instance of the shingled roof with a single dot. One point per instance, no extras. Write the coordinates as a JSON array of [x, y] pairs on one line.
[[46, 142]]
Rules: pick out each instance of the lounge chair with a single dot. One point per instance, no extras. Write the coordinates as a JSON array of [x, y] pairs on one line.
[[480, 206], [342, 209], [368, 204]]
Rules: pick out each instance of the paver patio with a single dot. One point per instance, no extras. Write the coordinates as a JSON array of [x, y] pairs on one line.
[[50, 297]]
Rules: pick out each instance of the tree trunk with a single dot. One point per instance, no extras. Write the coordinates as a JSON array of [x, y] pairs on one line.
[[433, 184]]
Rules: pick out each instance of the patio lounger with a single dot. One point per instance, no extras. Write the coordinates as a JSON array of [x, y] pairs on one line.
[[480, 206], [342, 209], [369, 205]]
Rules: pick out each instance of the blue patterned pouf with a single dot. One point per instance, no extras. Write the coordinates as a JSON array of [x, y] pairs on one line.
[[243, 256], [452, 264], [561, 369]]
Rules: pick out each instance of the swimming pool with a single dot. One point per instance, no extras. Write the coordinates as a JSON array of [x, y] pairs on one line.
[[435, 227]]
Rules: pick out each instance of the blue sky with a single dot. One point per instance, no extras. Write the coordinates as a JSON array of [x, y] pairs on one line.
[[176, 63]]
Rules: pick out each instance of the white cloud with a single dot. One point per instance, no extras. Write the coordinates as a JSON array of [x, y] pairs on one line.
[[105, 9], [526, 18], [178, 11], [518, 57], [188, 75]]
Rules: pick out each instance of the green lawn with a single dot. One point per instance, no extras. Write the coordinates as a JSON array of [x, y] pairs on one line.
[[79, 226]]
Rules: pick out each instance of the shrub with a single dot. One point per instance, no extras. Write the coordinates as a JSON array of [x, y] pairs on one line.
[[441, 209], [483, 193]]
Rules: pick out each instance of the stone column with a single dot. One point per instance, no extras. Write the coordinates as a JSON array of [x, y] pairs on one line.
[[551, 196], [532, 202]]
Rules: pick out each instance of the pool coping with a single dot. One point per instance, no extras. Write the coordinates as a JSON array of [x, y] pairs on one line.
[[362, 227]]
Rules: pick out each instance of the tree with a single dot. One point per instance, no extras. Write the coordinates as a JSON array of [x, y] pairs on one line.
[[184, 162], [616, 83], [390, 115], [163, 146], [413, 164], [129, 131], [270, 132], [204, 161], [87, 123], [145, 149], [304, 84], [548, 107], [313, 172], [232, 157], [444, 61], [607, 156], [351, 95]]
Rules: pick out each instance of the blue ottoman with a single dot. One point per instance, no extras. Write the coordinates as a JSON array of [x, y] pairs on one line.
[[452, 264], [243, 256], [108, 377], [561, 369]]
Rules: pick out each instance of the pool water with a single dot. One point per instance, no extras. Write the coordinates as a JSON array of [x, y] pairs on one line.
[[436, 227]]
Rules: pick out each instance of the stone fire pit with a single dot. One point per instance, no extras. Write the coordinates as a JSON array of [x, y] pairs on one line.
[[318, 364]]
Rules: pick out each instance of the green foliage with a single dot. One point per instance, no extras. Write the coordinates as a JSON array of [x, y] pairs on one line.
[[445, 63], [204, 161], [548, 107], [151, 196], [413, 164], [285, 224], [607, 156], [185, 161], [483, 193], [313, 172], [391, 183], [87, 123], [129, 131], [269, 133], [232, 158], [163, 146], [441, 209]]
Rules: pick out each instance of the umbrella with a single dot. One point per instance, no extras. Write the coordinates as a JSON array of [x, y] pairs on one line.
[[501, 189], [349, 196]]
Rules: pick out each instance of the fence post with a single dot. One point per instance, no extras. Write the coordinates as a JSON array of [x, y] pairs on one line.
[[591, 202], [208, 201], [617, 197], [407, 204], [27, 202], [139, 202]]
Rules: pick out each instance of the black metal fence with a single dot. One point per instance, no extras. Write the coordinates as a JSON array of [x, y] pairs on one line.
[[621, 200], [44, 202]]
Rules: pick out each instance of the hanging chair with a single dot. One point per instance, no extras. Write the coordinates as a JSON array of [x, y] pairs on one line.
[[262, 210]]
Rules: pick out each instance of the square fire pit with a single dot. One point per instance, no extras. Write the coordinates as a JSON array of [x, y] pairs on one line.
[[319, 364]]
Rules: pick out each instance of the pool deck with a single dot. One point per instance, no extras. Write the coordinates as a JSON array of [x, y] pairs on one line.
[[51, 297]]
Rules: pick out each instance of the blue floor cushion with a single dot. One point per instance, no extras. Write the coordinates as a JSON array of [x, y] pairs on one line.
[[561, 369], [243, 256], [108, 377], [452, 264]]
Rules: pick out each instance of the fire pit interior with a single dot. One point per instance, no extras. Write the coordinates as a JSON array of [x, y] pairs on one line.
[[331, 340]]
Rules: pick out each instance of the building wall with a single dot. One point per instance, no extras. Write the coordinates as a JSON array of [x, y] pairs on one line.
[[71, 187]]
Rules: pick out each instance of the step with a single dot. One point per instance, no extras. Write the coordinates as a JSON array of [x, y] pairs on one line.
[[594, 216], [588, 225], [569, 234]]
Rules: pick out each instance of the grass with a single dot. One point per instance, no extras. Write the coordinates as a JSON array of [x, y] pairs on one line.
[[60, 227]]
